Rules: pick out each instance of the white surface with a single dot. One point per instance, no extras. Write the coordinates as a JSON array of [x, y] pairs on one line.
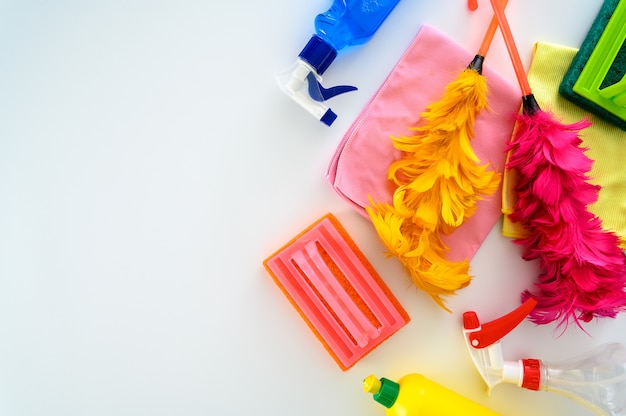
[[149, 163]]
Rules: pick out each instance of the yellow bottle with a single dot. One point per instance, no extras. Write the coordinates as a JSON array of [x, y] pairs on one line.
[[415, 395]]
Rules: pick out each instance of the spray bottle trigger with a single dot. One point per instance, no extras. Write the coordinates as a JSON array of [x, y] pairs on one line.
[[319, 93], [489, 333]]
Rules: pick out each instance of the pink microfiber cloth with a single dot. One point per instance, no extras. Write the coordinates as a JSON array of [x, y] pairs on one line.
[[359, 167]]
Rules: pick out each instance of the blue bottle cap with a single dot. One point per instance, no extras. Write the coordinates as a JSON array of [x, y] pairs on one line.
[[318, 53]]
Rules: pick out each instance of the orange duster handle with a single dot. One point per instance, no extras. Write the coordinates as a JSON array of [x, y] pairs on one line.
[[512, 49], [491, 31]]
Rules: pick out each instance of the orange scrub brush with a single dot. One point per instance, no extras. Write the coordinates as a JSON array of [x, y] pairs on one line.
[[337, 291]]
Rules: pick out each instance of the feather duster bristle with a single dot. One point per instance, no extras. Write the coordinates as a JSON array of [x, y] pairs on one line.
[[439, 181], [583, 269]]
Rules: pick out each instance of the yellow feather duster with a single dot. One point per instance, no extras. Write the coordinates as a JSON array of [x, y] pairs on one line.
[[439, 181]]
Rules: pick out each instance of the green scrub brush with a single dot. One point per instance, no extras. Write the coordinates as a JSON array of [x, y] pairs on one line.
[[596, 79]]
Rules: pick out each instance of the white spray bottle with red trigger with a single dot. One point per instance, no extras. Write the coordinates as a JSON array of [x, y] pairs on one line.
[[596, 379]]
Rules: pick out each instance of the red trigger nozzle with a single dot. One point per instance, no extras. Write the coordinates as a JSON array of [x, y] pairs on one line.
[[492, 332]]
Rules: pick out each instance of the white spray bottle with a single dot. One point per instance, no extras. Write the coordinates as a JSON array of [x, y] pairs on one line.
[[596, 379]]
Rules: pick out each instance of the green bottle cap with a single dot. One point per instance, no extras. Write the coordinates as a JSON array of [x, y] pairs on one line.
[[384, 390]]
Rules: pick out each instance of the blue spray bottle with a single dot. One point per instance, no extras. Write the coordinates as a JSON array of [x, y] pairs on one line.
[[346, 23]]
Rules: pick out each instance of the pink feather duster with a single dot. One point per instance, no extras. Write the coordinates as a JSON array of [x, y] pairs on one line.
[[583, 270]]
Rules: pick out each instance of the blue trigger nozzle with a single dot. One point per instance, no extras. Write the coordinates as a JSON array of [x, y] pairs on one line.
[[319, 93]]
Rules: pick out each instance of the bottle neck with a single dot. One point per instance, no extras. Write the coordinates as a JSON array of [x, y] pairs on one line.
[[318, 53], [531, 379], [527, 373]]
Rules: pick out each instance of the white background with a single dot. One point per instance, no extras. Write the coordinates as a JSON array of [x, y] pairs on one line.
[[149, 163]]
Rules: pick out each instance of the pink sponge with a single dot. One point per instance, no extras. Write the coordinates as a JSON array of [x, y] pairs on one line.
[[337, 291]]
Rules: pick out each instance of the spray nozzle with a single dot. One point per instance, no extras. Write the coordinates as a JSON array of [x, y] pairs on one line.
[[484, 335], [303, 82], [482, 341]]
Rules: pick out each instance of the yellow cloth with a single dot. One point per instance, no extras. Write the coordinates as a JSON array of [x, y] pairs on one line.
[[606, 143]]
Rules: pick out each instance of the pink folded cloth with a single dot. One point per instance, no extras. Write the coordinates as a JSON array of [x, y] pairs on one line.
[[359, 167]]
